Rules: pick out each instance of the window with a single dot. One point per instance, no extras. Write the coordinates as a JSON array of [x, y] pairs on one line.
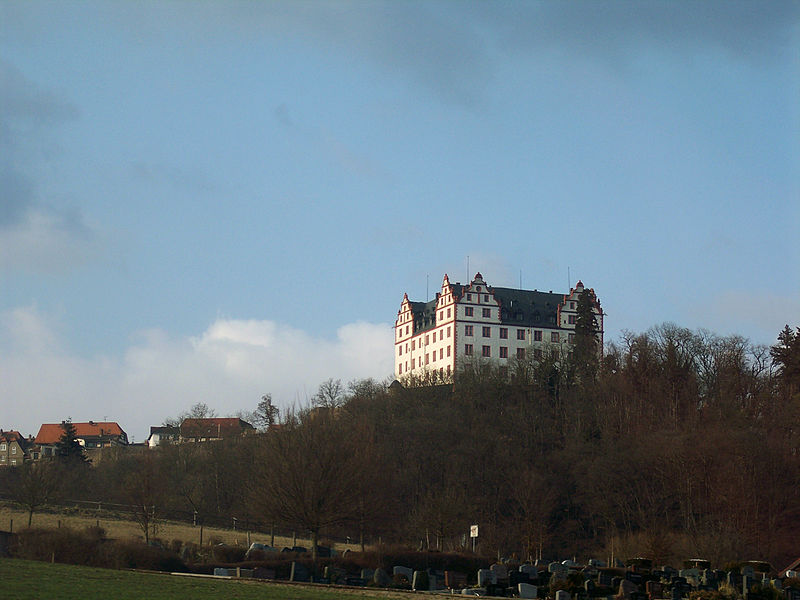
[[448, 313], [486, 351], [503, 352], [572, 305], [3, 458], [448, 351], [400, 351], [448, 369], [448, 332], [487, 332], [434, 356], [468, 349], [520, 334], [441, 353], [468, 311], [520, 353], [441, 334], [406, 365], [426, 340], [413, 363], [413, 344], [537, 336], [2, 447], [571, 338], [441, 315], [468, 330], [486, 297], [487, 312], [572, 319], [427, 356], [400, 369], [406, 329], [504, 333], [13, 462], [469, 297], [554, 337]]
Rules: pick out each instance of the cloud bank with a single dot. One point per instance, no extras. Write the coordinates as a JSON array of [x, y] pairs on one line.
[[228, 366]]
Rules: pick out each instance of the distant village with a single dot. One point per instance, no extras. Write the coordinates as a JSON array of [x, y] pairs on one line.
[[97, 436]]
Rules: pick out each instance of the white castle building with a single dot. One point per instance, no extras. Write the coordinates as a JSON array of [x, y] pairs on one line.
[[478, 322]]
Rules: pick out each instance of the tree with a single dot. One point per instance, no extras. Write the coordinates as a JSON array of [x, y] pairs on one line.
[[144, 488], [329, 395], [786, 355], [585, 352], [200, 410], [69, 449], [313, 473], [34, 485], [266, 413]]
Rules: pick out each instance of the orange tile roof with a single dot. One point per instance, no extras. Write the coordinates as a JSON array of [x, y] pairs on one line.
[[50, 433]]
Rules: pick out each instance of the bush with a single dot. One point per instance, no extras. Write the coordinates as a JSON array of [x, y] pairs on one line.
[[136, 555]]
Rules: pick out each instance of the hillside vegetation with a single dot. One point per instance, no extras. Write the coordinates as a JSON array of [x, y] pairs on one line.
[[676, 444]]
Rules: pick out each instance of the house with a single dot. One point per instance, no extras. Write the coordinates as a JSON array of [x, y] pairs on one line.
[[215, 429], [93, 436], [166, 434], [13, 448], [472, 322]]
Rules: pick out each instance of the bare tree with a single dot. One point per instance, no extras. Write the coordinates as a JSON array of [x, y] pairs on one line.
[[313, 472], [330, 394], [34, 485]]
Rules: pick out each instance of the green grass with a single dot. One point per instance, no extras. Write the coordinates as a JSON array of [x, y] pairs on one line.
[[29, 580]]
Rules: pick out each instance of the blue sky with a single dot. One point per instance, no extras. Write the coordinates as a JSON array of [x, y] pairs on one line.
[[207, 201]]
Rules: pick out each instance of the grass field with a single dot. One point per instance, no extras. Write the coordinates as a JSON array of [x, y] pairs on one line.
[[28, 580], [116, 528]]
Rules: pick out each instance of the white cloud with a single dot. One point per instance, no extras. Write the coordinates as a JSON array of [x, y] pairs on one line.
[[228, 366]]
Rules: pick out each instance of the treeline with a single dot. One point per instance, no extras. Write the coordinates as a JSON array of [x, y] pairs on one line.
[[675, 444]]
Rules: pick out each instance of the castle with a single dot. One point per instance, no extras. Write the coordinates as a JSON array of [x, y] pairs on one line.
[[477, 322]]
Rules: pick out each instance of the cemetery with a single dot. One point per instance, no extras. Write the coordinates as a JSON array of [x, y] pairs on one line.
[[554, 580]]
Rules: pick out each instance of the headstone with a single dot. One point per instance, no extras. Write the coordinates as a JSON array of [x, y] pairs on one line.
[[299, 572], [562, 595], [569, 563], [403, 572], [381, 578], [421, 581], [588, 586], [594, 562], [626, 588], [748, 571], [246, 573], [676, 594], [221, 572], [654, 589], [516, 577], [530, 570], [634, 577], [500, 571], [454, 580], [367, 574], [604, 578], [486, 577], [334, 574], [470, 592], [355, 581], [554, 566], [526, 590]]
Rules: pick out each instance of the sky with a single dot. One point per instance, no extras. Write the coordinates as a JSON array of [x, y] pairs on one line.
[[208, 201]]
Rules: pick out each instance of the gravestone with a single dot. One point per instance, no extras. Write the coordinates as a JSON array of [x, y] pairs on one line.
[[367, 574], [526, 590], [634, 577], [626, 588], [486, 577], [530, 570], [471, 592], [299, 572], [355, 581], [222, 572], [676, 594], [604, 578], [334, 574], [500, 572], [381, 578], [516, 577], [403, 572], [748, 571], [588, 586], [454, 580], [562, 595]]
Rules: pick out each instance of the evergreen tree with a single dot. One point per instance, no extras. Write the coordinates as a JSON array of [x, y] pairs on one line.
[[69, 448], [585, 352], [786, 355]]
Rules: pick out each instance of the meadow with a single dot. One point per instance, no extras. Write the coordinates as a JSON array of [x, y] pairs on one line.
[[29, 580]]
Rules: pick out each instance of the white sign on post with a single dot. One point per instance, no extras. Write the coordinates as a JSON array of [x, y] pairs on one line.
[[473, 531]]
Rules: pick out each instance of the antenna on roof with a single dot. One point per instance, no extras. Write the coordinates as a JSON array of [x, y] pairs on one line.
[[569, 280]]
